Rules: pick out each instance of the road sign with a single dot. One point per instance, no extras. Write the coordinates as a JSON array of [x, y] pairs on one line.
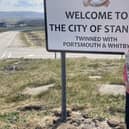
[[100, 26]]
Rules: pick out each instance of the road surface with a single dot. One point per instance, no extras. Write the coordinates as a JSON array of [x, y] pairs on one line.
[[11, 46]]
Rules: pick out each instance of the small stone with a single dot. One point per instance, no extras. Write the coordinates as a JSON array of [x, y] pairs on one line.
[[100, 119], [97, 123], [88, 121], [85, 115], [76, 114], [56, 120], [76, 122], [113, 123]]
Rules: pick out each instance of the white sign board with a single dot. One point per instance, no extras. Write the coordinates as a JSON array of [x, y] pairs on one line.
[[100, 26]]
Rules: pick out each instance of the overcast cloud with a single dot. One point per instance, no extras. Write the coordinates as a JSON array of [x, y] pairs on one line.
[[21, 5]]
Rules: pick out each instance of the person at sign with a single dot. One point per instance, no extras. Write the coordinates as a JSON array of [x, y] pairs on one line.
[[126, 81]]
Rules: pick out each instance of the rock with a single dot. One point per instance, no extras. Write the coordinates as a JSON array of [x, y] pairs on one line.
[[37, 90], [85, 115], [97, 123], [95, 77], [75, 122], [99, 119], [76, 118], [112, 90], [76, 114], [113, 123]]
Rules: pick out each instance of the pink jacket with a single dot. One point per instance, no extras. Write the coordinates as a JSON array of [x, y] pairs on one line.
[[125, 75]]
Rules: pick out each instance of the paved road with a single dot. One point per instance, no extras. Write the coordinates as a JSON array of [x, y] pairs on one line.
[[12, 47], [6, 40]]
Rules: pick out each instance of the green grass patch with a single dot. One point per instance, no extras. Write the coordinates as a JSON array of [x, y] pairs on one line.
[[12, 117]]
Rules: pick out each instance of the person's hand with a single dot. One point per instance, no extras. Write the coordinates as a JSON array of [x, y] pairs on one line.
[[127, 86]]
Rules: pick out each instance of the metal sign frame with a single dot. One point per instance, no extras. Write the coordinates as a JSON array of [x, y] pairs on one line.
[[73, 51]]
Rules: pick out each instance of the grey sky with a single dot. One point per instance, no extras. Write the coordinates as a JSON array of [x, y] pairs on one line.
[[21, 5]]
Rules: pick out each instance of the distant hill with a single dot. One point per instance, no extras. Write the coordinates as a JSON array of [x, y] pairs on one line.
[[18, 16], [31, 22]]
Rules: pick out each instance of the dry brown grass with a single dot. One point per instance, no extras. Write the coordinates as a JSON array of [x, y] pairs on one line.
[[81, 91]]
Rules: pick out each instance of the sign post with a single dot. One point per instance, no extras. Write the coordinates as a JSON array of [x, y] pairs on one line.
[[63, 72]]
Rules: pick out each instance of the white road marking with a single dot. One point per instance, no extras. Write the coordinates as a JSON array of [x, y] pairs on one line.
[[4, 54], [30, 55]]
